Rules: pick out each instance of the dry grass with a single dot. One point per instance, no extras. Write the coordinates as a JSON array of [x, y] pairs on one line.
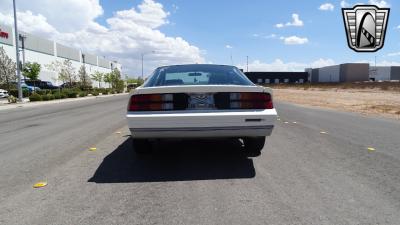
[[382, 86], [373, 101]]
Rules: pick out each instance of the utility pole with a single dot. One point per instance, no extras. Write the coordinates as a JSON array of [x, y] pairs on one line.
[[17, 53], [22, 39], [247, 63], [142, 54], [142, 65]]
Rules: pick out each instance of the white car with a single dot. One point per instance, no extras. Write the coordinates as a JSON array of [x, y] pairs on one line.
[[3, 93], [200, 101]]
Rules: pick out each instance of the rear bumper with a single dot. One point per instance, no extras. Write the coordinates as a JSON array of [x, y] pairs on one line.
[[206, 132], [210, 124]]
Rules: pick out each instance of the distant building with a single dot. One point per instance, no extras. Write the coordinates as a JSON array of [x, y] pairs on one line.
[[277, 77], [384, 73], [43, 51], [348, 72]]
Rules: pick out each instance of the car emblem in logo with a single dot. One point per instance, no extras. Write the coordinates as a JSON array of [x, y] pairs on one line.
[[365, 27]]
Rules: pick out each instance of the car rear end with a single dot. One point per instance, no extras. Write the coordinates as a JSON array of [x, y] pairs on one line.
[[200, 101], [198, 111]]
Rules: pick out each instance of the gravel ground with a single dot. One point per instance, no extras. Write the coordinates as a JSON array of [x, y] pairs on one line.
[[371, 102]]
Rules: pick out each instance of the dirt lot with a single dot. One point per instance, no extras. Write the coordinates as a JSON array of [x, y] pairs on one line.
[[365, 101]]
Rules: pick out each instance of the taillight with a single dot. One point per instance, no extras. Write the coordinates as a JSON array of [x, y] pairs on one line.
[[157, 102], [244, 100]]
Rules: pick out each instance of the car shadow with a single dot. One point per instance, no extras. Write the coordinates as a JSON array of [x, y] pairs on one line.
[[176, 161]]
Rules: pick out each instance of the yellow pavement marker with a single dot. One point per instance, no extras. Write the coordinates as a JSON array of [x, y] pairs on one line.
[[370, 149], [92, 149], [40, 184], [323, 132]]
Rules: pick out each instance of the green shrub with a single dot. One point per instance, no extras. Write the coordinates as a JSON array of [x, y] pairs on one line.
[[12, 99], [35, 97], [45, 98], [82, 94], [14, 92], [55, 91], [95, 93], [41, 92], [57, 95], [71, 94]]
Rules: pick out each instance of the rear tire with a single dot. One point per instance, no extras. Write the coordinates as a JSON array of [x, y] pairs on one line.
[[141, 146], [254, 145]]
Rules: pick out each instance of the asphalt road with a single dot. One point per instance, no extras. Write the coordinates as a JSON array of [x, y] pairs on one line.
[[302, 176]]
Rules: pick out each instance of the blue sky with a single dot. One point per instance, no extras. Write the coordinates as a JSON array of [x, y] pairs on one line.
[[250, 29], [285, 35]]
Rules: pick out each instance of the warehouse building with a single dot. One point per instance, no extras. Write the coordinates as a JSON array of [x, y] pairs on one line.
[[44, 52], [277, 77], [384, 73], [348, 72]]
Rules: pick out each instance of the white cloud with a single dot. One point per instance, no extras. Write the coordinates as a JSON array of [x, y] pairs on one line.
[[381, 63], [344, 4], [280, 65], [174, 8], [126, 34], [228, 47], [296, 22], [65, 15], [294, 40], [322, 63], [271, 36], [379, 3], [394, 54], [327, 7]]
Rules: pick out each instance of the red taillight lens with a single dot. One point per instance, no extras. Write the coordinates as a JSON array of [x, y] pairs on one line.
[[251, 100], [151, 102]]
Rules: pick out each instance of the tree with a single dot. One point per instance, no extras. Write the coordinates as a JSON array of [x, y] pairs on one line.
[[115, 78], [137, 81], [108, 78], [31, 70], [98, 76], [84, 78], [7, 69], [65, 70]]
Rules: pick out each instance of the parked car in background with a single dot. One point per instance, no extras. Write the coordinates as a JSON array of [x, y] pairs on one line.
[[41, 84], [26, 87], [30, 88], [200, 101], [3, 93], [74, 85]]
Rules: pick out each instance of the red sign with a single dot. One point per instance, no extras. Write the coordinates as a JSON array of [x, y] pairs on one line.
[[3, 34]]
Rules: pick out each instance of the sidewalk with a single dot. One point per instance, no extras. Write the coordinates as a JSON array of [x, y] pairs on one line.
[[5, 105]]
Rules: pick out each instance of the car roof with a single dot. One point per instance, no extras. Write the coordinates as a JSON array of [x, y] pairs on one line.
[[198, 65]]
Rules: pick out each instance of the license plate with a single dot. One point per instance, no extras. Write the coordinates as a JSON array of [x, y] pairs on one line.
[[201, 101]]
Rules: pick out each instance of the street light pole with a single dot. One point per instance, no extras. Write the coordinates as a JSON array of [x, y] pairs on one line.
[[247, 57], [142, 65], [22, 39], [17, 53], [142, 54]]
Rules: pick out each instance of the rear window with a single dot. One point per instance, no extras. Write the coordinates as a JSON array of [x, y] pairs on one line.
[[197, 75]]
